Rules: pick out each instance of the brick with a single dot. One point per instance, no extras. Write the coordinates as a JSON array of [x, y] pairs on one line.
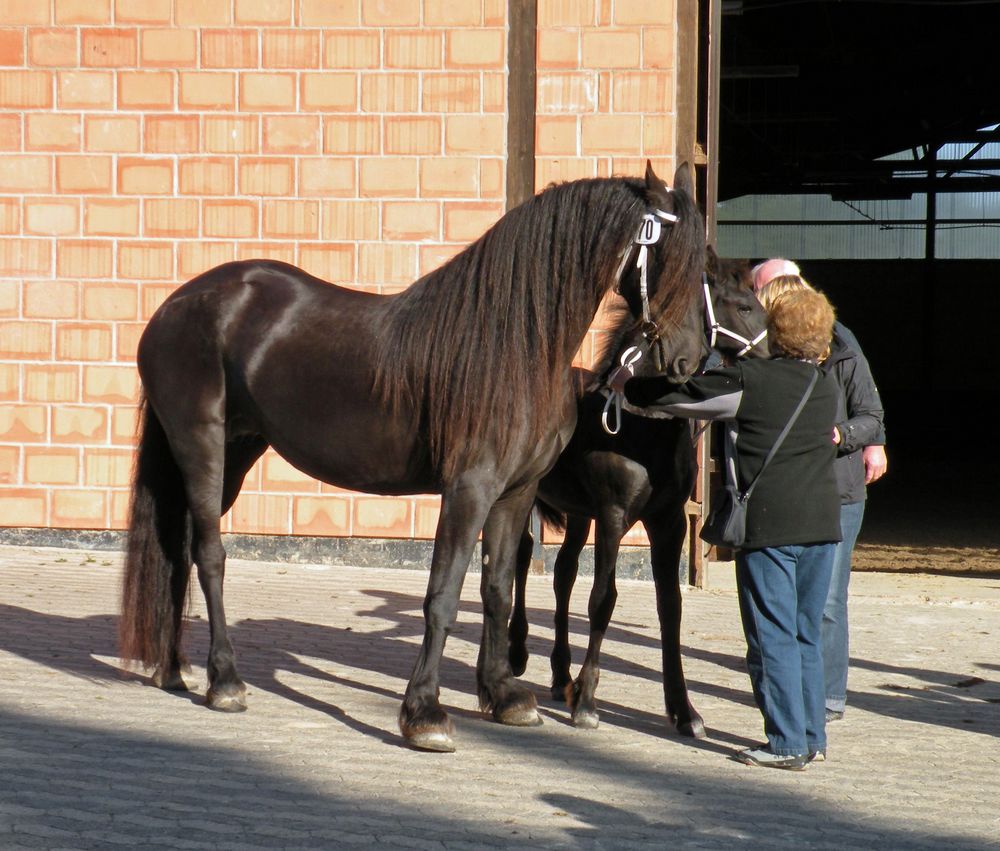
[[414, 49], [10, 216], [23, 423], [352, 135], [389, 176], [467, 221], [611, 49], [567, 93], [291, 134], [11, 46], [382, 93], [494, 92], [83, 175], [449, 177], [267, 92], [10, 132], [83, 11], [321, 515], [238, 219], [643, 91], [616, 134], [22, 507], [25, 89], [202, 13], [51, 216], [477, 134], [326, 13], [111, 217], [451, 93], [327, 177], [658, 47], [204, 90], [107, 468], [127, 336], [85, 89], [79, 509], [107, 301], [283, 251], [169, 48], [51, 299], [207, 176], [173, 218], [475, 49], [295, 49], [557, 134], [124, 424], [151, 296], [143, 11], [51, 383], [197, 257], [559, 49], [642, 12], [145, 90], [390, 13], [350, 221], [229, 49], [382, 517], [270, 176], [411, 220], [290, 220], [10, 467], [145, 176], [354, 49], [279, 475], [558, 169], [9, 381], [262, 514], [453, 13], [566, 13], [83, 341], [172, 134], [49, 131], [413, 135], [45, 466], [328, 262], [10, 298], [658, 135], [146, 261], [53, 48], [110, 385], [394, 263], [27, 257], [79, 424], [263, 12], [111, 134], [232, 134], [328, 92], [109, 48], [22, 173], [20, 339], [427, 512]]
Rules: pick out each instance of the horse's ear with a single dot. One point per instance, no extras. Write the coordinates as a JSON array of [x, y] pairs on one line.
[[683, 179], [657, 192]]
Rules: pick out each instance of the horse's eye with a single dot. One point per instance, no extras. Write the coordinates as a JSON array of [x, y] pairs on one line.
[[744, 308]]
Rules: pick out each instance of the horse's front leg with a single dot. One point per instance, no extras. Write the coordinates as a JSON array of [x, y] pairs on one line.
[[422, 720], [666, 538], [509, 701], [611, 528], [517, 633]]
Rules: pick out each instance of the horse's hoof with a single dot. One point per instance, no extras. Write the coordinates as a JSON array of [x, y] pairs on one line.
[[585, 720], [431, 740], [558, 693], [171, 681], [694, 729], [519, 716], [226, 701]]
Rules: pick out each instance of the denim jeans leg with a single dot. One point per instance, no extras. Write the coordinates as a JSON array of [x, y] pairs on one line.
[[836, 642], [812, 577], [765, 580]]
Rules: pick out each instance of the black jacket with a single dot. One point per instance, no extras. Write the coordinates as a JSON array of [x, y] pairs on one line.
[[796, 499], [860, 418]]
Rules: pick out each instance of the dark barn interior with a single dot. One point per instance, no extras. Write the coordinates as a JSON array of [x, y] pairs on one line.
[[811, 96]]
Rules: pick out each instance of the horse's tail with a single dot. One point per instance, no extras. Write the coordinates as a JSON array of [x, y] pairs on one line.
[[551, 516], [158, 552]]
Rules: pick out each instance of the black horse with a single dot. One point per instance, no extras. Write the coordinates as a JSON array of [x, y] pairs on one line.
[[432, 390], [642, 473]]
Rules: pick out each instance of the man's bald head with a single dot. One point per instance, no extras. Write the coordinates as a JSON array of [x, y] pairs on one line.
[[771, 269]]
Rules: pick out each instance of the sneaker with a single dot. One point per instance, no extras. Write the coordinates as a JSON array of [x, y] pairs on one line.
[[763, 757], [818, 755], [834, 715]]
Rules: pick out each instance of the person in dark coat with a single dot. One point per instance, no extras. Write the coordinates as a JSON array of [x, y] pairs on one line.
[[793, 516]]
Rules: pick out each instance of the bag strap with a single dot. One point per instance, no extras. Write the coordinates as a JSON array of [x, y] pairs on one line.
[[784, 433]]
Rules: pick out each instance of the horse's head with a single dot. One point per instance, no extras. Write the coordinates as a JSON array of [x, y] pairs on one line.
[[659, 276], [736, 320]]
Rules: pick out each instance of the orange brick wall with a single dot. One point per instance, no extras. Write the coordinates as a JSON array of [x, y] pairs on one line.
[[144, 141]]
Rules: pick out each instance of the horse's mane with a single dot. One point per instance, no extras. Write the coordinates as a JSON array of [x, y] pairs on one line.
[[481, 346]]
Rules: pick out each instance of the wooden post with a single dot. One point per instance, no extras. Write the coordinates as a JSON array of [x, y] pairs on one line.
[[522, 17]]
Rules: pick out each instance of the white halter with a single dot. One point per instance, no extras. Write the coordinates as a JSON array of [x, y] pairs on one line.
[[715, 329]]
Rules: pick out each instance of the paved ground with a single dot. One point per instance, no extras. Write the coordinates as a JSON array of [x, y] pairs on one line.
[[92, 757]]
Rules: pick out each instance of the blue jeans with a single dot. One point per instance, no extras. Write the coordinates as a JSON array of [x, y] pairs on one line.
[[836, 643], [782, 591]]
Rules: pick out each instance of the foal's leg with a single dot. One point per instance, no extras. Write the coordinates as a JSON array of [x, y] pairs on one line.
[[510, 702], [610, 530], [518, 631], [566, 567], [422, 720], [666, 533]]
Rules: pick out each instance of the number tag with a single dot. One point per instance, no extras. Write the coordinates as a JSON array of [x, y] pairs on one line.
[[649, 230]]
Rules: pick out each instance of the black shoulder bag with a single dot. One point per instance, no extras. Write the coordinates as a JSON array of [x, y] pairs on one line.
[[726, 525]]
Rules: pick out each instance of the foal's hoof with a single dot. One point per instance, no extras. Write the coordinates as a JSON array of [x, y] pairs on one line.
[[586, 719], [694, 729], [227, 701], [431, 740]]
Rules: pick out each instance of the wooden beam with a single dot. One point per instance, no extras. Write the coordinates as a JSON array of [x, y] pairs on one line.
[[522, 26]]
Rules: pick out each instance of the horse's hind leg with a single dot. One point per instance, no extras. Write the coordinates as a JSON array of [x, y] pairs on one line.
[[518, 632], [666, 538], [563, 580]]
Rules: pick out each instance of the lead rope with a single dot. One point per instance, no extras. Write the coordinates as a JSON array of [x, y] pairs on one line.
[[629, 358]]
